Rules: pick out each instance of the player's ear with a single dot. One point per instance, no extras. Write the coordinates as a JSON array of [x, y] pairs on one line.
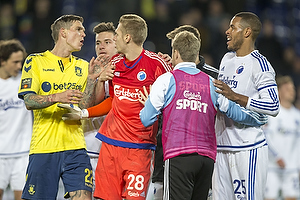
[[247, 32], [127, 38], [63, 32]]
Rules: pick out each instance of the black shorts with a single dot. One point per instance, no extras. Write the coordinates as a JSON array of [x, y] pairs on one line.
[[188, 176]]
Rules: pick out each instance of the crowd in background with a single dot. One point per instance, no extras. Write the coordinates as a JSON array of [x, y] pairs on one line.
[[29, 21]]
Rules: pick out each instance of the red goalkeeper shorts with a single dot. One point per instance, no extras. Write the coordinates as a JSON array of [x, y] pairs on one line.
[[123, 172]]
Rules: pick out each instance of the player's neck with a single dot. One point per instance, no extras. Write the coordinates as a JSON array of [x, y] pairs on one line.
[[286, 104], [61, 52], [3, 74], [245, 50], [133, 52]]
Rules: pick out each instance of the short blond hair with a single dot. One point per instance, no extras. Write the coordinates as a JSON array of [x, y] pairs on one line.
[[188, 46], [135, 26], [65, 21]]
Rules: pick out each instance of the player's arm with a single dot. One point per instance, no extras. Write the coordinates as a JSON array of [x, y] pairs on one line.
[[268, 101], [160, 95], [34, 101], [235, 111], [100, 70]]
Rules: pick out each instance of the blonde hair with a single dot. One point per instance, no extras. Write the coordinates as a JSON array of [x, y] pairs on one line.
[[65, 21], [188, 46], [135, 26]]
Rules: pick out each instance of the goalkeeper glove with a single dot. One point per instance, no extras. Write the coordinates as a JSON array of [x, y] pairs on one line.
[[75, 113]]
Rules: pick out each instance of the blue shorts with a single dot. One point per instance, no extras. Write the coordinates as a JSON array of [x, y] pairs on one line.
[[44, 171]]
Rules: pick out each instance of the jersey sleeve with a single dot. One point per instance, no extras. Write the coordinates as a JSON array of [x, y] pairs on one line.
[[268, 101], [240, 114], [30, 78], [101, 109]]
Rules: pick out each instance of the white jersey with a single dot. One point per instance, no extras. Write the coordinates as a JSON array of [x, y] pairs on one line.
[[283, 137], [15, 120], [251, 75]]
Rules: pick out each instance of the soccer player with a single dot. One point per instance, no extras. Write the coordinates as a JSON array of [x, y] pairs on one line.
[[247, 78], [15, 120], [57, 147], [126, 156], [187, 98], [283, 137]]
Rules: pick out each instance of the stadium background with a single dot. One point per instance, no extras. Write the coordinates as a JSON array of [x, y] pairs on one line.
[[30, 21]]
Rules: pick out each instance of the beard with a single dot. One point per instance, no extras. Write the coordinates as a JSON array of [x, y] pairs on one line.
[[236, 44]]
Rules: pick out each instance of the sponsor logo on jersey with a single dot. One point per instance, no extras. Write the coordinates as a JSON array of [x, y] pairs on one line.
[[191, 95], [192, 102], [239, 70], [117, 73], [10, 103], [78, 71], [133, 194], [26, 83], [230, 82], [141, 76], [46, 86], [122, 93], [49, 70], [31, 189]]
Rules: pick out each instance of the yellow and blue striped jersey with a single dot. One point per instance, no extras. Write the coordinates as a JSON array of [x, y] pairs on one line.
[[46, 74]]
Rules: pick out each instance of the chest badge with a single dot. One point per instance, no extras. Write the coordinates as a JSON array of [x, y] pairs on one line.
[[141, 76], [239, 70]]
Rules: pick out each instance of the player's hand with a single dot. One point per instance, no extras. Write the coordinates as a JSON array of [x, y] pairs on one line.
[[280, 163], [97, 65], [108, 72], [144, 96], [68, 96], [165, 57], [75, 113], [224, 89]]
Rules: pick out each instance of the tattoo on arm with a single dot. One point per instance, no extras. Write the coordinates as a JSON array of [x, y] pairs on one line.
[[34, 101], [79, 194], [89, 94]]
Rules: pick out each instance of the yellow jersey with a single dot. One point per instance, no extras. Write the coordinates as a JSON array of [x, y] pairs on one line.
[[45, 74]]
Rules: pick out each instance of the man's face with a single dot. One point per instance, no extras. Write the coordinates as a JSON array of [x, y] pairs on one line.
[[234, 35], [75, 36], [13, 65], [287, 92], [105, 44], [120, 42]]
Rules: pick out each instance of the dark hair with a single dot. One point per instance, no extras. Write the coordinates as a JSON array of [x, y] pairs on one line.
[[104, 27], [249, 19], [7, 47]]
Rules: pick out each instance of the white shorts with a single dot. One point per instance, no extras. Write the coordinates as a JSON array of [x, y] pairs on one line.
[[240, 175], [286, 182], [13, 172], [155, 191]]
